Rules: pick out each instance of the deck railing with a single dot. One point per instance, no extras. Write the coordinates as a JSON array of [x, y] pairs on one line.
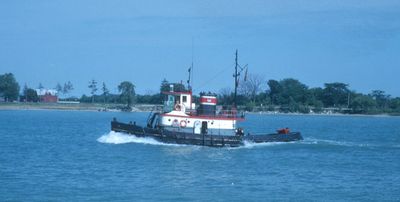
[[219, 113]]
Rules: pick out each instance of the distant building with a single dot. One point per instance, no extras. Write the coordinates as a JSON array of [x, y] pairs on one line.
[[47, 95]]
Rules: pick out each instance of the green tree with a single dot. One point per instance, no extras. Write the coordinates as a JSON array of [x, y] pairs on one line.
[[382, 99], [293, 91], [362, 103], [105, 91], [59, 88], [164, 85], [24, 92], [31, 95], [395, 105], [275, 91], [335, 94], [9, 88], [93, 88], [127, 90], [315, 97], [225, 96], [68, 87]]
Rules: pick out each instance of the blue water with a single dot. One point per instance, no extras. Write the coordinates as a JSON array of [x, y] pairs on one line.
[[73, 156]]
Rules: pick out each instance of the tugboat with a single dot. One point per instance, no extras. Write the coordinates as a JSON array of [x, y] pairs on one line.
[[181, 122]]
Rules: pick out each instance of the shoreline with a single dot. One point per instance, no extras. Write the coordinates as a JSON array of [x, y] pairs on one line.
[[144, 108], [75, 107], [320, 114], [48, 107]]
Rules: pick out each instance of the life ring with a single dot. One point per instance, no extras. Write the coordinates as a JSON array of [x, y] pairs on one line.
[[175, 123], [183, 124]]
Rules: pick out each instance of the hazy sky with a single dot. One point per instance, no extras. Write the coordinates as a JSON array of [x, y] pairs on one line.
[[50, 41]]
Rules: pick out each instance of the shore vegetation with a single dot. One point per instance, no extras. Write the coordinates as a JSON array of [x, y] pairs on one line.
[[255, 95]]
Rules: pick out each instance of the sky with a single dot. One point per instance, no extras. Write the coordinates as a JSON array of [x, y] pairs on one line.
[[316, 42]]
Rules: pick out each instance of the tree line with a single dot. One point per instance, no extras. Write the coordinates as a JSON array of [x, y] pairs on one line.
[[10, 92], [290, 95], [255, 94]]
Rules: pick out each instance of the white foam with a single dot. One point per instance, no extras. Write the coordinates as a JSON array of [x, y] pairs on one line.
[[335, 143], [121, 138]]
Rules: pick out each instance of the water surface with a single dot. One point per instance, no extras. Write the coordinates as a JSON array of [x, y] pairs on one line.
[[73, 156]]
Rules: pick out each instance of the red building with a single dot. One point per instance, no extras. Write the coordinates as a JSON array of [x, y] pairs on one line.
[[48, 98], [46, 95]]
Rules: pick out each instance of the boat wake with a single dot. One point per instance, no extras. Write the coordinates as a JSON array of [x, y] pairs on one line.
[[315, 141], [120, 138], [311, 140]]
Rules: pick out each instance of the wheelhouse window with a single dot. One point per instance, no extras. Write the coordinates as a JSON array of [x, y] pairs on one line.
[[169, 101]]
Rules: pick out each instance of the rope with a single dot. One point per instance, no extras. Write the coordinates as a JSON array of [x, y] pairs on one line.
[[212, 78]]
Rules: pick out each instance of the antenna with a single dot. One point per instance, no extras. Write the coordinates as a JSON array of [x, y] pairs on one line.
[[190, 71]]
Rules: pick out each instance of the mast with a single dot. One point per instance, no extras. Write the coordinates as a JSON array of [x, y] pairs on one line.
[[189, 80], [236, 78]]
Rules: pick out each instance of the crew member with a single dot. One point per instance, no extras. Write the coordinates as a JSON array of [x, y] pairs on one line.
[[177, 106]]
